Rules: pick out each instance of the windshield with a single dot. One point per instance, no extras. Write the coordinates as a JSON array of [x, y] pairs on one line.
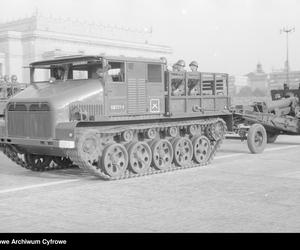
[[79, 70]]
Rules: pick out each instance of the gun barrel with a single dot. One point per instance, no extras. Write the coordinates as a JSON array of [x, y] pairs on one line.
[[280, 104]]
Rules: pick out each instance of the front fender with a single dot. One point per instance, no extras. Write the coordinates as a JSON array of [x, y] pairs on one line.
[[65, 131]]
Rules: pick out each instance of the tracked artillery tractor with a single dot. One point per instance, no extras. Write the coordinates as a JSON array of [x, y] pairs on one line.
[[262, 122], [116, 117]]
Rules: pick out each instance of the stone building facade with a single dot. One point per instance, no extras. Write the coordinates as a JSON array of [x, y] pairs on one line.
[[39, 37], [258, 79]]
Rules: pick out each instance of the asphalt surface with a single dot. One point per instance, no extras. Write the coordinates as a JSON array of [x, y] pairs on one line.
[[238, 192]]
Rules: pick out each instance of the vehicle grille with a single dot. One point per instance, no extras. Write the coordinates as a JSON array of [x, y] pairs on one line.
[[31, 120]]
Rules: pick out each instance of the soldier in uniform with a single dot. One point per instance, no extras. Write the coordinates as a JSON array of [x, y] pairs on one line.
[[8, 86], [174, 67], [14, 83], [14, 79], [193, 66], [181, 65], [193, 85], [6, 79], [178, 84]]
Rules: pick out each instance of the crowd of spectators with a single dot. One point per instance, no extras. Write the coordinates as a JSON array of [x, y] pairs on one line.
[[9, 86]]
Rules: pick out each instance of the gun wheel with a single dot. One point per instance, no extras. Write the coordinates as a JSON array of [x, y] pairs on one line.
[[201, 148], [257, 138]]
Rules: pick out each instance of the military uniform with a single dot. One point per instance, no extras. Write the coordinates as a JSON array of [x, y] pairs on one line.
[[193, 84], [178, 84]]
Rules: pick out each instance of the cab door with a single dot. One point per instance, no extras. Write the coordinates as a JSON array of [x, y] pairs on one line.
[[116, 89], [155, 88]]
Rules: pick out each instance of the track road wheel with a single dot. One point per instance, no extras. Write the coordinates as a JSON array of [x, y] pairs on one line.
[[183, 151], [257, 138], [37, 162], [201, 148], [114, 160], [271, 137], [140, 157], [162, 154]]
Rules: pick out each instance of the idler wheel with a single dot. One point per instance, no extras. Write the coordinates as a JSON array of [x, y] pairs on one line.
[[37, 162], [201, 148], [183, 151], [62, 161], [162, 154], [114, 160], [140, 156], [216, 131]]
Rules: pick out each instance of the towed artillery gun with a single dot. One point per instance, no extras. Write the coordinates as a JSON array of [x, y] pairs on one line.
[[115, 117], [261, 123]]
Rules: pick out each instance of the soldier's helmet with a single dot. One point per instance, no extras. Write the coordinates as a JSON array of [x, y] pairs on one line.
[[14, 78], [181, 63], [6, 78], [193, 63]]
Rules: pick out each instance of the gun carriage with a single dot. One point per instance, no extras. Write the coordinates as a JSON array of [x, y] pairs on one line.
[[262, 122]]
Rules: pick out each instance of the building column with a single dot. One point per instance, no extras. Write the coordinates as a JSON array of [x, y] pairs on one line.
[[11, 46]]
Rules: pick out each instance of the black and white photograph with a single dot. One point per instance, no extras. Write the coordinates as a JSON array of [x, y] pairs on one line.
[[147, 116]]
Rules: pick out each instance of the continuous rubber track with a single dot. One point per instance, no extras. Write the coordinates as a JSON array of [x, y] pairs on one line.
[[99, 172], [206, 128], [18, 158]]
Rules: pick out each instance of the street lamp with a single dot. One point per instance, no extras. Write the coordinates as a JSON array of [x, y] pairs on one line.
[[287, 31]]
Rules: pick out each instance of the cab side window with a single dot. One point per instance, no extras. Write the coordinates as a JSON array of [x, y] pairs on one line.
[[117, 71], [154, 73]]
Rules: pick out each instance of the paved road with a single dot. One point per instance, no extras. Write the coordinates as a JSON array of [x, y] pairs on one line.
[[239, 192]]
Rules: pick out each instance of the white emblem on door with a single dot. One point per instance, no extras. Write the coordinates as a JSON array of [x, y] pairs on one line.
[[154, 106]]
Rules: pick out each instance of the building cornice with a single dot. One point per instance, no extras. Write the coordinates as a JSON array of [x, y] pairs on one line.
[[10, 35], [49, 35]]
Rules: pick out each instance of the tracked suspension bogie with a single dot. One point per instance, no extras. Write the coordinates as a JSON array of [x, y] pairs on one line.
[[147, 149]]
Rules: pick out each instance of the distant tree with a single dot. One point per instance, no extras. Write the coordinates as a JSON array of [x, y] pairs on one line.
[[259, 92], [245, 91]]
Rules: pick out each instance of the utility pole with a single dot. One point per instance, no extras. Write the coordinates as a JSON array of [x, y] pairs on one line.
[[287, 31]]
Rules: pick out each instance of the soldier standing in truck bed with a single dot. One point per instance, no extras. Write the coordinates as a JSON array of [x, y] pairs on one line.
[[193, 86], [178, 84]]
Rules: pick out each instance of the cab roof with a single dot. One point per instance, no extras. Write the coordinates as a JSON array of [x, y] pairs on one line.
[[76, 58]]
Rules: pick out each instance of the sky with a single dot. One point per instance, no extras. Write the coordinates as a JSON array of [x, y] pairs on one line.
[[229, 36]]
